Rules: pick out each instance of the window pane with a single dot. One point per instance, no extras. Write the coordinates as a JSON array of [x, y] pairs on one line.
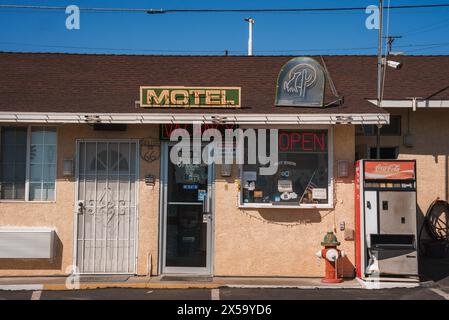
[[21, 136], [7, 190], [48, 192], [50, 136], [35, 172], [13, 162], [8, 153], [50, 154], [19, 191], [21, 153], [49, 173], [8, 172], [19, 171], [37, 135], [42, 163], [36, 153], [35, 191], [8, 136], [302, 175]]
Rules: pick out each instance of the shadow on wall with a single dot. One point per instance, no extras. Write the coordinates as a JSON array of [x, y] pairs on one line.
[[36, 264], [346, 268], [285, 216]]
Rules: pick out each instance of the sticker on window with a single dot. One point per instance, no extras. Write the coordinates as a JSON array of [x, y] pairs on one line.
[[319, 193], [285, 186], [201, 194]]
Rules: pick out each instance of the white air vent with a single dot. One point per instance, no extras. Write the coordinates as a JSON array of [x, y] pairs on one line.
[[27, 243]]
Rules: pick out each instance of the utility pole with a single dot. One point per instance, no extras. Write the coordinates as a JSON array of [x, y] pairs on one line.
[[379, 76], [390, 40], [250, 35]]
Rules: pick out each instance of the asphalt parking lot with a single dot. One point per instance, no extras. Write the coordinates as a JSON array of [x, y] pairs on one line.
[[433, 293]]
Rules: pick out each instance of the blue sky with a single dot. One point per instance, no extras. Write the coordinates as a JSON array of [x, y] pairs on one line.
[[424, 31]]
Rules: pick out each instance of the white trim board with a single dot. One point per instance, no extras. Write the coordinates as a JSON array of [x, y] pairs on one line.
[[161, 118], [409, 103]]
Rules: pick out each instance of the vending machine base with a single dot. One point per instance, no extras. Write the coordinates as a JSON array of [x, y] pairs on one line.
[[389, 282]]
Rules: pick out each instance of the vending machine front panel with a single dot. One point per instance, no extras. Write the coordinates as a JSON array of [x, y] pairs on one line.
[[397, 212]]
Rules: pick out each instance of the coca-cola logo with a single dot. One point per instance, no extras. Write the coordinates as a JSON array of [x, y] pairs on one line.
[[391, 168]]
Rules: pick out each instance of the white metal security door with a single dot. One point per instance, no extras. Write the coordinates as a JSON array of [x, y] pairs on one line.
[[106, 207]]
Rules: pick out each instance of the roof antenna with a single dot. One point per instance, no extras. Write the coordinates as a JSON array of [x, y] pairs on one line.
[[250, 21]]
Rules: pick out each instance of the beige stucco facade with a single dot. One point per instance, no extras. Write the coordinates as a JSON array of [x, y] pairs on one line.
[[246, 242], [59, 214], [429, 133]]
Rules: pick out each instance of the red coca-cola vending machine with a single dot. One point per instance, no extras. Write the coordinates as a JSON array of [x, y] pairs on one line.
[[386, 219]]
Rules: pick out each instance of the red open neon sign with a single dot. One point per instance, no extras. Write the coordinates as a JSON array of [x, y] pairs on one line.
[[302, 141]]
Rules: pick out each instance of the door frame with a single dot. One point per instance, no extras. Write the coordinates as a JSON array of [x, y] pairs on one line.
[[163, 204], [75, 212]]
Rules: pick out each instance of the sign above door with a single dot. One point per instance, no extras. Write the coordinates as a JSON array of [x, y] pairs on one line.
[[190, 97]]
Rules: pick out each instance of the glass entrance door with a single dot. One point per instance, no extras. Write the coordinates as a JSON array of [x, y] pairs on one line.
[[187, 217]]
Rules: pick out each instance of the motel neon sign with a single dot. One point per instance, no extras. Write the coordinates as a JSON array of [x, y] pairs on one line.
[[190, 97]]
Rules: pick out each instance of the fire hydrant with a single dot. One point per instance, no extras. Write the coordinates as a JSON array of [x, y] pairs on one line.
[[331, 254]]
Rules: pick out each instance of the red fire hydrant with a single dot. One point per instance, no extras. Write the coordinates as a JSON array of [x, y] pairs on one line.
[[331, 254]]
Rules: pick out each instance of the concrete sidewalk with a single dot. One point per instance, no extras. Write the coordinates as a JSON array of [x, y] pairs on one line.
[[74, 282]]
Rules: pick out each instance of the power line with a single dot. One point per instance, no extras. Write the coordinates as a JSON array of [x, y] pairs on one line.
[[173, 51], [295, 9], [110, 48], [273, 10], [425, 28]]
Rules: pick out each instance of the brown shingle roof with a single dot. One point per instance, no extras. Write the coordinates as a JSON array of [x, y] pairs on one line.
[[110, 83]]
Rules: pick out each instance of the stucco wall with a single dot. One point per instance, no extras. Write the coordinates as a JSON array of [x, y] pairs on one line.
[[282, 242], [247, 242], [59, 214], [430, 136]]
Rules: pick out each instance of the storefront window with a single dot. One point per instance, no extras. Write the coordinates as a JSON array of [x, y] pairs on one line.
[[40, 177], [42, 163], [302, 177], [13, 162]]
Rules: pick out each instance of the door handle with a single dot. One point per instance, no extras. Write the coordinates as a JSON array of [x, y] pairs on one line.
[[80, 207]]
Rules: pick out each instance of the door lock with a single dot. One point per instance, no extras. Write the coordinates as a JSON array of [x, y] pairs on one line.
[[80, 207], [207, 217]]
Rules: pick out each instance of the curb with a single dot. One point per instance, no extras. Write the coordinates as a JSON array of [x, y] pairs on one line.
[[275, 286], [196, 285], [91, 286], [22, 287]]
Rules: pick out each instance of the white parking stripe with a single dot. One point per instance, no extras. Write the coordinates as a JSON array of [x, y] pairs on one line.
[[36, 295], [215, 294], [440, 293]]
